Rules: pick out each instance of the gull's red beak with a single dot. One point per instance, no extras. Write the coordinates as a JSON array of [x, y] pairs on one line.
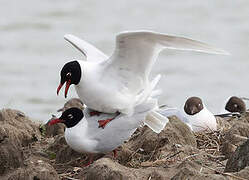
[[55, 121], [59, 88], [66, 89]]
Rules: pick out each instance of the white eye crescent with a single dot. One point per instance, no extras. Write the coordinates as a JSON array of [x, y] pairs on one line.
[[199, 105], [69, 74], [70, 116], [235, 105]]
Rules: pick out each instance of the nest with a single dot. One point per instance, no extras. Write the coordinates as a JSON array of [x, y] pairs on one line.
[[210, 141]]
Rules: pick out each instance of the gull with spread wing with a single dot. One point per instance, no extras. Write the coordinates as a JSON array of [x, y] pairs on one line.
[[118, 83]]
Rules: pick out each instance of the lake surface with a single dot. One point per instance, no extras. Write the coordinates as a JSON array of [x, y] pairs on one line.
[[32, 48]]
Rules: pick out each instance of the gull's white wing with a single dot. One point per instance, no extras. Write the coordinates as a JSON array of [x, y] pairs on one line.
[[136, 52], [91, 52]]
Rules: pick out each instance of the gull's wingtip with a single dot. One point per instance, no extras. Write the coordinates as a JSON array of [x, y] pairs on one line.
[[126, 32], [223, 52], [68, 36]]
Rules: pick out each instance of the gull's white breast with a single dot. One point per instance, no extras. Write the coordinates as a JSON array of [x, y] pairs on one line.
[[202, 120], [100, 94]]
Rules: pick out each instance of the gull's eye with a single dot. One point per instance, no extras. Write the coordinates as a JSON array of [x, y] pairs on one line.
[[70, 116], [69, 74]]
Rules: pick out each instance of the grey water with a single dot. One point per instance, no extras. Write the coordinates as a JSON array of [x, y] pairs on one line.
[[32, 48]]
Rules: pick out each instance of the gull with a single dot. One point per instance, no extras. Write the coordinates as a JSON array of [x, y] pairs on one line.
[[83, 135], [194, 114], [118, 83], [234, 107]]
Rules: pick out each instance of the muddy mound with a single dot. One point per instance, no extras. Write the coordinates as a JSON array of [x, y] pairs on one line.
[[187, 173], [18, 136], [63, 152], [240, 159], [10, 157], [16, 132], [145, 145], [35, 169], [17, 128], [107, 169], [175, 153]]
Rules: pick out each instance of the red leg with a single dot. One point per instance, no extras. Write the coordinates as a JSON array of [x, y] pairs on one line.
[[90, 161], [103, 123], [95, 113], [115, 153]]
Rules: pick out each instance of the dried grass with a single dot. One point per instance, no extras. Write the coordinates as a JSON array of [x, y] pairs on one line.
[[210, 141]]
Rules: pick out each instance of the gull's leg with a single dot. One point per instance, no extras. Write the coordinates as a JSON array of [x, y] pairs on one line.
[[103, 123], [94, 113]]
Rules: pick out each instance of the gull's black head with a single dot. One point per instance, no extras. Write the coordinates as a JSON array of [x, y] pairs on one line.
[[70, 117], [193, 105], [71, 74], [235, 104]]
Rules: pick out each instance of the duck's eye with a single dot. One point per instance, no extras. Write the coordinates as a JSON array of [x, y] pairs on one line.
[[235, 105], [70, 116]]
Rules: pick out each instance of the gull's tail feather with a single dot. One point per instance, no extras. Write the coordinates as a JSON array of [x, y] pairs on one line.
[[149, 91], [156, 93], [155, 121]]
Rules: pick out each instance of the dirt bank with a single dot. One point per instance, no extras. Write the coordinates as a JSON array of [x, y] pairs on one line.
[[31, 151]]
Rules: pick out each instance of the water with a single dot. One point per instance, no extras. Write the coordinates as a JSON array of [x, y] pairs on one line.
[[32, 49]]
